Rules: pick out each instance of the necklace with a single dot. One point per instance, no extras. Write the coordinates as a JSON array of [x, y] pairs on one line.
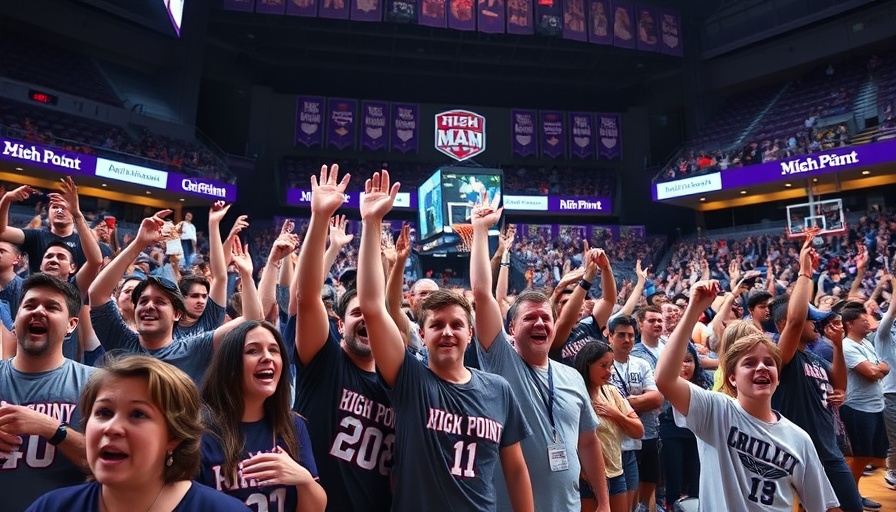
[[106, 507]]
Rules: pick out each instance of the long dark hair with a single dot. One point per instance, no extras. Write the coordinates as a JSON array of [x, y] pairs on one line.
[[224, 403], [701, 377], [588, 355]]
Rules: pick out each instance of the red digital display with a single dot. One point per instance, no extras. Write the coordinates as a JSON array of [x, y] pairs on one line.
[[42, 97]]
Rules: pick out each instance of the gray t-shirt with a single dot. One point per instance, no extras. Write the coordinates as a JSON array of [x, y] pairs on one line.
[[553, 490], [862, 393], [749, 465], [191, 355], [38, 467], [448, 438], [633, 378], [211, 318]]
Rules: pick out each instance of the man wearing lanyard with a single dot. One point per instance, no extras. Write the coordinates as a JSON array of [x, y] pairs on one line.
[[553, 396], [633, 377]]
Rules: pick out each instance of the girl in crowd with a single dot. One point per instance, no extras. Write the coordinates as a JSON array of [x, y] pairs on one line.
[[752, 457], [142, 426], [617, 419], [257, 449]]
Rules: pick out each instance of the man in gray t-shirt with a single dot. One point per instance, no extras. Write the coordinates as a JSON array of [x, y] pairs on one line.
[[39, 392]]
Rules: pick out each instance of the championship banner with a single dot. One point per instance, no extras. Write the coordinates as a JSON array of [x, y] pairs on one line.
[[581, 124], [460, 15], [609, 140], [670, 33], [333, 9], [307, 8], [400, 11], [599, 27], [270, 6], [460, 134], [519, 17], [309, 121], [374, 125], [553, 134], [237, 5], [648, 33], [623, 30], [548, 17], [432, 14], [491, 16], [405, 129], [367, 10], [522, 126], [341, 123], [575, 26]]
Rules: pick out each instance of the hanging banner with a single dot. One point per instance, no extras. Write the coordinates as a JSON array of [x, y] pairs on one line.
[[553, 134], [400, 11], [574, 24], [307, 8], [237, 5], [460, 15], [522, 125], [405, 129], [609, 140], [432, 14], [599, 22], [374, 125], [309, 121], [333, 9], [491, 16], [270, 6], [460, 134], [341, 123], [670, 33], [623, 34], [581, 125], [519, 17], [367, 10], [648, 34], [548, 14]]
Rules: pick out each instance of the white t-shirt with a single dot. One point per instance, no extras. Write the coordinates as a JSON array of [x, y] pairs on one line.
[[749, 465], [633, 378], [885, 347], [188, 231], [862, 393]]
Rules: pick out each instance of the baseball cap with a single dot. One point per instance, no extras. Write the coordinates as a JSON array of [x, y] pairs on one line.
[[167, 286], [817, 315]]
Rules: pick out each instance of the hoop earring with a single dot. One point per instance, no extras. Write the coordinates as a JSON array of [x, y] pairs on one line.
[[170, 460]]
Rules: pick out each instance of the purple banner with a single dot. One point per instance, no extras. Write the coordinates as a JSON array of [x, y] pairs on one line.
[[460, 15], [670, 33], [519, 17], [491, 16], [341, 123], [374, 125], [405, 127], [581, 125], [201, 187], [602, 205], [575, 26], [599, 27], [623, 29], [553, 134], [523, 140], [609, 139], [648, 34], [309, 121], [307, 8], [548, 17], [367, 10], [47, 157], [400, 11], [237, 5], [302, 197], [333, 9], [270, 6], [432, 14]]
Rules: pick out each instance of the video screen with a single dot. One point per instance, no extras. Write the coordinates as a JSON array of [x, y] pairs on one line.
[[429, 202], [462, 190]]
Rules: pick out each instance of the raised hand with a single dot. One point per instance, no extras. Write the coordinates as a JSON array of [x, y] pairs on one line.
[[338, 236], [505, 239], [486, 213], [378, 196], [22, 193], [808, 257], [217, 212], [284, 245], [241, 257], [242, 222], [150, 232], [703, 293], [328, 194], [641, 272], [288, 226], [603, 262], [67, 197], [403, 244]]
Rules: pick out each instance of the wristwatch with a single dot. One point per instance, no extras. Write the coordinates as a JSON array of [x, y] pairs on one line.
[[60, 434]]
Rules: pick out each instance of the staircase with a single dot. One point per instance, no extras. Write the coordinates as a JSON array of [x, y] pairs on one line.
[[865, 104], [758, 119]]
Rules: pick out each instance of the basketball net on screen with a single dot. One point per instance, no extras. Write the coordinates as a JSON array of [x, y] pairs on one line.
[[465, 232]]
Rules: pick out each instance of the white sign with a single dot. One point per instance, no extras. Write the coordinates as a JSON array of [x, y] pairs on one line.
[[131, 173], [689, 186], [530, 203]]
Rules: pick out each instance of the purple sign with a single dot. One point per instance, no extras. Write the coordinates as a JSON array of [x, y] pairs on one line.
[[201, 187], [648, 36], [309, 121], [405, 129], [519, 17], [432, 14], [491, 16], [601, 205], [670, 33], [306, 8], [575, 26], [553, 134], [237, 5], [374, 125], [523, 141], [270, 6], [599, 28], [47, 157], [341, 123], [302, 197], [334, 9], [367, 10], [581, 126], [460, 15], [609, 137], [623, 29]]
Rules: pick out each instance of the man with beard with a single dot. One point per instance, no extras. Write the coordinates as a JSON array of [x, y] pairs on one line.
[[39, 392], [337, 387]]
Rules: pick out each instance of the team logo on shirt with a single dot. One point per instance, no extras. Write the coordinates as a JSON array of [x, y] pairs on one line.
[[761, 457]]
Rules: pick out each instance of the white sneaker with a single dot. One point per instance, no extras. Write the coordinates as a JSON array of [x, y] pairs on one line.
[[890, 477]]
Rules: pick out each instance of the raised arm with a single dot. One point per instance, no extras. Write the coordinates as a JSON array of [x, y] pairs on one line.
[[312, 323], [571, 312], [7, 232], [603, 308], [217, 260], [67, 199], [267, 287], [861, 265], [629, 307], [250, 302], [489, 321], [385, 338], [338, 240], [798, 306], [395, 282]]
